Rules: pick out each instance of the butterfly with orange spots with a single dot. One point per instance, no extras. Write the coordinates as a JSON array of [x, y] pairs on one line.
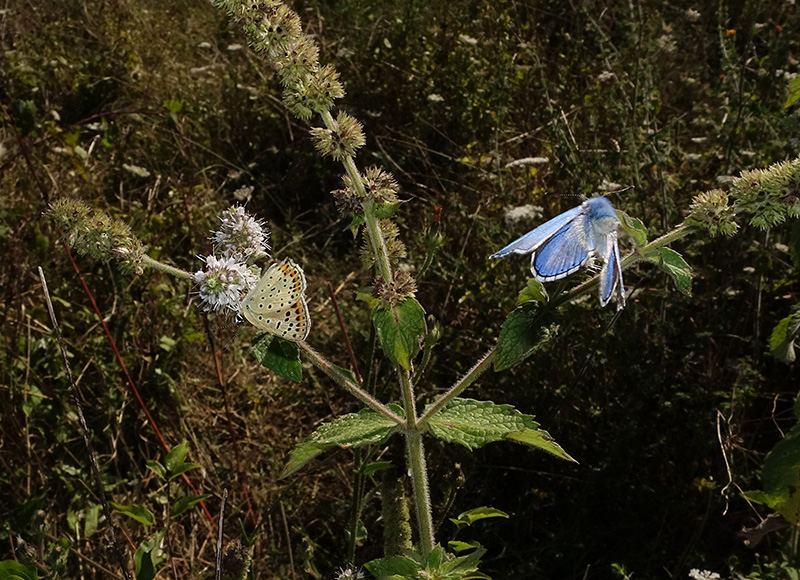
[[277, 303]]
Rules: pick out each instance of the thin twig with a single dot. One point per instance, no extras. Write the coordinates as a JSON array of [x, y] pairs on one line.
[[240, 474], [218, 569], [346, 336], [85, 430]]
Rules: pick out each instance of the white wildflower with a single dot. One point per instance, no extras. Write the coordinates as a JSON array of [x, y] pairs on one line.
[[696, 574], [528, 212], [224, 283], [349, 574], [241, 236]]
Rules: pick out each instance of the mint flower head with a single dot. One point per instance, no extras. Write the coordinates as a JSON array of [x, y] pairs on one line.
[[241, 235], [224, 283], [349, 573]]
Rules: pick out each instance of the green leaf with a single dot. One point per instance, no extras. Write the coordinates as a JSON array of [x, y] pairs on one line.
[[634, 228], [157, 468], [352, 430], [173, 106], [469, 517], [187, 502], [280, 356], [672, 263], [541, 439], [13, 570], [91, 516], [794, 92], [176, 456], [375, 466], [781, 476], [533, 291], [784, 335], [182, 468], [475, 423], [400, 329], [524, 332], [458, 546], [148, 556], [393, 568], [139, 513]]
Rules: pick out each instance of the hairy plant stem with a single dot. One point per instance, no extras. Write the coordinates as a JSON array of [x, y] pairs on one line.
[[416, 463], [459, 386], [419, 485], [374, 234], [322, 363], [166, 268]]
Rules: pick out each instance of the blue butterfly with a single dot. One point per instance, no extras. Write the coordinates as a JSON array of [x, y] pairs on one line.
[[571, 240]]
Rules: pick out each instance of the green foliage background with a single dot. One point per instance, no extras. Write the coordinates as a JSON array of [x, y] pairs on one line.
[[660, 406]]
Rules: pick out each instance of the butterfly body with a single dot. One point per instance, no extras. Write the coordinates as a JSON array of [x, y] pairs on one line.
[[572, 240], [277, 302]]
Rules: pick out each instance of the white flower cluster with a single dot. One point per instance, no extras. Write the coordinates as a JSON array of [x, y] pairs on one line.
[[241, 235], [229, 273], [696, 574], [349, 574]]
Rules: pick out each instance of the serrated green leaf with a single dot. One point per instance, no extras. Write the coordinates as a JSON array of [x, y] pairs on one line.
[[139, 513], [91, 517], [541, 439], [13, 570], [280, 356], [400, 329], [393, 568], [533, 291], [469, 517], [176, 456], [475, 423], [672, 263], [352, 430], [784, 335], [794, 92], [187, 502], [525, 331], [385, 210], [634, 228], [157, 468]]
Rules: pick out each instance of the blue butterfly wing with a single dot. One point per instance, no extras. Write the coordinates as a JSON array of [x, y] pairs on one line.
[[611, 274], [566, 250], [531, 241]]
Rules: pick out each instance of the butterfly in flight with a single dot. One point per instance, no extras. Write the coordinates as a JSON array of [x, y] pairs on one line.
[[277, 302], [572, 240]]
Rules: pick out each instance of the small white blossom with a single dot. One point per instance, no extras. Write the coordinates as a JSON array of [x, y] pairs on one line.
[[528, 212], [349, 574], [241, 235], [696, 574], [224, 283]]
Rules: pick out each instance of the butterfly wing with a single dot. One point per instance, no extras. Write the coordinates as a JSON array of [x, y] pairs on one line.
[[565, 251], [531, 241], [611, 285], [277, 303]]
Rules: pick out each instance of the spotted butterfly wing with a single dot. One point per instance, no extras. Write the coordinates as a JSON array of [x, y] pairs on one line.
[[277, 303]]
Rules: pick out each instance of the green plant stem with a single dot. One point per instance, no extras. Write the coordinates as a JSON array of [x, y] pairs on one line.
[[419, 485], [320, 362], [459, 386], [416, 463], [639, 254], [166, 268], [370, 220]]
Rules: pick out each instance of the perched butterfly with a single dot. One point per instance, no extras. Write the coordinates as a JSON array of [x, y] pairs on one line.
[[573, 239], [277, 303]]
